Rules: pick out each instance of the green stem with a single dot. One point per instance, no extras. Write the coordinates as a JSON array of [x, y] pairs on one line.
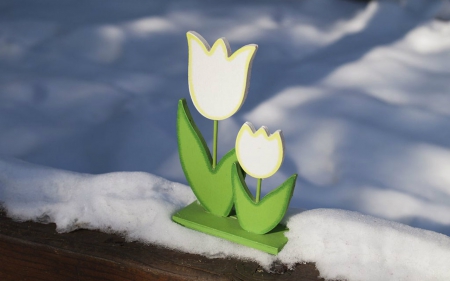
[[216, 133], [258, 190]]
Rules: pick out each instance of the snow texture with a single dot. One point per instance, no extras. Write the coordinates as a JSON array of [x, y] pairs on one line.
[[360, 91], [343, 244]]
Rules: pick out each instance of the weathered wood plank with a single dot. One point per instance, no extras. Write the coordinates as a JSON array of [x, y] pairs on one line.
[[34, 251]]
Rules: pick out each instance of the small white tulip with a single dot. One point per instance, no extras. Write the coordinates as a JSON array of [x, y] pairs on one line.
[[218, 81], [258, 153]]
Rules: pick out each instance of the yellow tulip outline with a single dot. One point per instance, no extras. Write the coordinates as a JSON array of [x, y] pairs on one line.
[[225, 47], [277, 136]]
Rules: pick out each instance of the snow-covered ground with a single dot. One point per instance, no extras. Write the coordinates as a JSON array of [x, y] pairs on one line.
[[360, 90], [344, 245]]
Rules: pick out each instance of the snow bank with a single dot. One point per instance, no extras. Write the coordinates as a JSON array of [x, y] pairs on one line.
[[343, 244], [135, 204], [348, 245], [360, 91]]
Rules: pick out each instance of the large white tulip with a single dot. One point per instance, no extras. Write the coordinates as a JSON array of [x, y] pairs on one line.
[[258, 153], [218, 80]]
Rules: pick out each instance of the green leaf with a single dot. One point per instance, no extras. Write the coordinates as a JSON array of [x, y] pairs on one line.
[[212, 187], [265, 215]]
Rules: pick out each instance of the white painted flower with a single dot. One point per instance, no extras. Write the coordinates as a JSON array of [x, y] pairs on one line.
[[258, 153], [218, 81]]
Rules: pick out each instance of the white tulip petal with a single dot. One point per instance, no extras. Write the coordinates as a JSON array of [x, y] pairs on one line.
[[258, 153], [218, 82]]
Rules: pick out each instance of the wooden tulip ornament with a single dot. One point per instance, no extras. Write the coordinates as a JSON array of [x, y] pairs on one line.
[[218, 85]]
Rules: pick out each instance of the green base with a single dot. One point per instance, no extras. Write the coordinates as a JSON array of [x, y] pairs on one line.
[[196, 217]]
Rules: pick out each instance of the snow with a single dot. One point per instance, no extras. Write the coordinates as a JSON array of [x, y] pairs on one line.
[[139, 205], [353, 246], [343, 244], [360, 91], [136, 204]]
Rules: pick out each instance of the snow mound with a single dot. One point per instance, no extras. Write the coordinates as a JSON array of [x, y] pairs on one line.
[[343, 244], [348, 245]]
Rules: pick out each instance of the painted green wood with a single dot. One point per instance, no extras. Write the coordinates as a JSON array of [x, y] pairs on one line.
[[194, 216], [212, 187], [260, 217]]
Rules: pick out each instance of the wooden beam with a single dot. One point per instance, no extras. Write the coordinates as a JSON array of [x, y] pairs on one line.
[[35, 251]]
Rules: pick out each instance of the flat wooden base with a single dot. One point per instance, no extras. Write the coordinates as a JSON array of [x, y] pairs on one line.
[[196, 217]]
